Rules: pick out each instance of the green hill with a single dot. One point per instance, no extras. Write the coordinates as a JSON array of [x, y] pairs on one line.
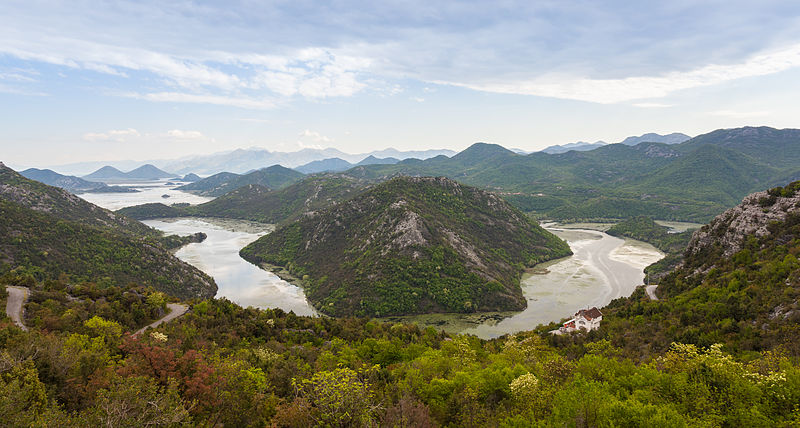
[[258, 203], [715, 173], [778, 148], [411, 245], [274, 177], [153, 210], [47, 231]]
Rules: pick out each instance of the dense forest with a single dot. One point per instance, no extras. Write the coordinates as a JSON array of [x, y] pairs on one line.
[[223, 365]]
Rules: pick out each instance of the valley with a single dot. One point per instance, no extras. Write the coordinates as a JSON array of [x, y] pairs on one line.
[[602, 268]]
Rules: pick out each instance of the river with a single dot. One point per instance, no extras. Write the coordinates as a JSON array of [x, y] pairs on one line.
[[238, 280], [601, 269]]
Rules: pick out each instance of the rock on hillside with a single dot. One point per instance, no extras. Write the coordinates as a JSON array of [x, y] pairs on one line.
[[411, 245], [728, 232]]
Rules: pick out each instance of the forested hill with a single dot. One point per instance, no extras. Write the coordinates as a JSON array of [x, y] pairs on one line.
[[273, 177], [258, 203], [411, 245], [694, 180], [47, 231], [739, 285]]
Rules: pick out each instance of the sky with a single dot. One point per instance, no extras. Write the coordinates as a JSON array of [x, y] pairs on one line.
[[112, 80]]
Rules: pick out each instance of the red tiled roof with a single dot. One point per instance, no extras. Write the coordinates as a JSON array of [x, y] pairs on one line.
[[590, 314]]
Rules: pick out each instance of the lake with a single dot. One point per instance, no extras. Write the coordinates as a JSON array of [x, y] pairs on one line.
[[602, 268]]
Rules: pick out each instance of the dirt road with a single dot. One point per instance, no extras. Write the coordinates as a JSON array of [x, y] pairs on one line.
[[176, 310], [651, 291], [16, 299]]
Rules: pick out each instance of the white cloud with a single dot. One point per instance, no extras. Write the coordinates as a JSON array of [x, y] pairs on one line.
[[608, 91], [213, 77], [315, 136], [185, 135], [179, 97], [116, 135]]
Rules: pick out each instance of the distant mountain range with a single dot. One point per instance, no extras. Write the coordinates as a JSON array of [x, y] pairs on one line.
[[244, 160], [693, 180], [144, 172], [581, 146], [71, 183]]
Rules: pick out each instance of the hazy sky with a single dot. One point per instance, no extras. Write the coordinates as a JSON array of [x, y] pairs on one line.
[[92, 80]]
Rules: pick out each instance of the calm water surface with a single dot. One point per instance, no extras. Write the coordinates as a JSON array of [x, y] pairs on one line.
[[238, 280]]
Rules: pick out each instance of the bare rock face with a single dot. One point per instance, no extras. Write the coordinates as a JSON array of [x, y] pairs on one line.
[[752, 217]]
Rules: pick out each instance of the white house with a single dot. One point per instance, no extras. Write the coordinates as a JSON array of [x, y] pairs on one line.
[[586, 319]]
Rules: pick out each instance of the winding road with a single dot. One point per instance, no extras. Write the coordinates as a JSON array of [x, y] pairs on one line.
[[175, 310], [16, 299], [651, 291]]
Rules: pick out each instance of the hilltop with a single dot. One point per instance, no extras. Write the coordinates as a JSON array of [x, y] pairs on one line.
[[144, 172], [47, 231], [259, 203], [411, 245], [273, 177]]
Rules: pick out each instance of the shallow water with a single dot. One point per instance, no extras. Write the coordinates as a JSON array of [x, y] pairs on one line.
[[238, 280], [601, 269]]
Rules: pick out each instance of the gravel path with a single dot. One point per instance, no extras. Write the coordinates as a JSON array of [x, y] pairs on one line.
[[16, 299], [175, 310]]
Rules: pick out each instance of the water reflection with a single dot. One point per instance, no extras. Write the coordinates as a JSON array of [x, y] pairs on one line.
[[238, 280]]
